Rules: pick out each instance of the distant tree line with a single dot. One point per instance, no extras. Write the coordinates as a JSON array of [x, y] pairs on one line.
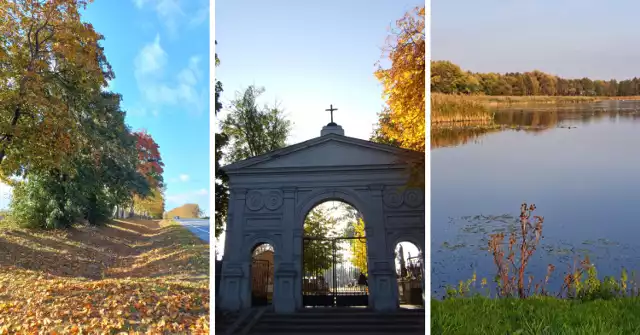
[[449, 78]]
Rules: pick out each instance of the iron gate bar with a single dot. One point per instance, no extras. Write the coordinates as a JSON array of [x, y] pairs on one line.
[[316, 291], [260, 273]]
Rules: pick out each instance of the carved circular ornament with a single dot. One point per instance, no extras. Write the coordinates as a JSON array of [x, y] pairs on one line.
[[413, 198], [254, 200], [392, 198], [273, 200]]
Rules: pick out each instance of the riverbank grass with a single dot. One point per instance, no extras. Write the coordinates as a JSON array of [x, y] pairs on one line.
[[535, 315], [543, 99], [446, 108], [133, 276]]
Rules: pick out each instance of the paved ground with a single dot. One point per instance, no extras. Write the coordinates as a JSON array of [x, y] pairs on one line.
[[199, 227]]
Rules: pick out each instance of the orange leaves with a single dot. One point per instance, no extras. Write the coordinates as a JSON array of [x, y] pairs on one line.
[[123, 298], [53, 62], [149, 159], [154, 311]]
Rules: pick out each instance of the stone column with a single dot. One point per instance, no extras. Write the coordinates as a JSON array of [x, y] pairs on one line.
[[284, 301], [293, 232], [382, 275], [234, 281]]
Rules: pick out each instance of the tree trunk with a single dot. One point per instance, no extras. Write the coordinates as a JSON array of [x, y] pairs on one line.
[[131, 210]]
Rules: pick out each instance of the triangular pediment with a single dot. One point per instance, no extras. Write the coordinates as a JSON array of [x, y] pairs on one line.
[[325, 152]]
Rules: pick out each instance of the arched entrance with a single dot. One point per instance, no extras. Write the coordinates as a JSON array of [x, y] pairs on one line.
[[409, 274], [334, 257], [262, 274], [271, 196]]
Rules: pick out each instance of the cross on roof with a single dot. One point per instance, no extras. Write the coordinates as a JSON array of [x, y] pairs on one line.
[[331, 109]]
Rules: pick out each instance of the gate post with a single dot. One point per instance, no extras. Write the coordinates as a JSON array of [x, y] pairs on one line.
[[235, 281], [382, 298], [284, 300], [231, 290], [383, 294]]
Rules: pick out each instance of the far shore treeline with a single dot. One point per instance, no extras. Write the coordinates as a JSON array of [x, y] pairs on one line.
[[449, 78]]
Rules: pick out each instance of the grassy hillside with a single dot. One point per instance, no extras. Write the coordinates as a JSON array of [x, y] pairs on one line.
[[187, 211]]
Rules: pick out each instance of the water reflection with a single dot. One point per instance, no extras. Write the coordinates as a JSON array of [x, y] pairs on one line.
[[533, 119], [577, 163]]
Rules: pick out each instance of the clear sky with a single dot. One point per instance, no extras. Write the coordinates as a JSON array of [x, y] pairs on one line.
[[570, 38], [308, 55], [159, 51]]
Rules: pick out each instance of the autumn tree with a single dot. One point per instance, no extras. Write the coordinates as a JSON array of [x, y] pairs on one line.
[[359, 247], [404, 82], [402, 122], [102, 175], [149, 165], [449, 78], [150, 162], [152, 205], [51, 67], [354, 229]]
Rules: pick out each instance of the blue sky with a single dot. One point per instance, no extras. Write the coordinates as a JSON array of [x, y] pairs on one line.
[[159, 51], [571, 38], [308, 55]]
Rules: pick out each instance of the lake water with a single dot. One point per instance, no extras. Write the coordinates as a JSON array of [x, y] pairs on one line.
[[580, 165]]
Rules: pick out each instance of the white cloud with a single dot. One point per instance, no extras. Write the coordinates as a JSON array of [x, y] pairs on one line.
[[184, 177], [151, 60], [200, 16], [150, 65], [194, 196], [173, 14]]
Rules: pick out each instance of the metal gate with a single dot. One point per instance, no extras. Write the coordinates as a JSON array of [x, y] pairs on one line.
[[330, 276], [261, 282]]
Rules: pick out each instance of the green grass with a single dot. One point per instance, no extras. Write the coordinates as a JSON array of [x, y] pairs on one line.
[[536, 315]]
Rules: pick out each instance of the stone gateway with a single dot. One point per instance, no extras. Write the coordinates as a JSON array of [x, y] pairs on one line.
[[271, 195]]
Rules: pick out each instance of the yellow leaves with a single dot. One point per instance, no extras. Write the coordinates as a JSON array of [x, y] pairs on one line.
[[403, 122], [404, 84], [359, 247]]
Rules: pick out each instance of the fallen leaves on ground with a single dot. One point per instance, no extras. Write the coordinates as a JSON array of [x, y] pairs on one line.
[[129, 277]]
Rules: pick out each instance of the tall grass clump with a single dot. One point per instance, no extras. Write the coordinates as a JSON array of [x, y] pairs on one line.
[[511, 259], [583, 305], [457, 108]]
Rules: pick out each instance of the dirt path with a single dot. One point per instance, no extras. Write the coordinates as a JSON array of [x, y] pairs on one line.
[[138, 276]]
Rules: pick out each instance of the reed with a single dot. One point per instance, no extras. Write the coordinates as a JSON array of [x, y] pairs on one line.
[[446, 108], [543, 99]]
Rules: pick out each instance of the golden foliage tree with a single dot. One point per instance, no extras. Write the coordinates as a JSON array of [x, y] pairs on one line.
[[403, 122], [152, 205], [51, 64], [359, 247]]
